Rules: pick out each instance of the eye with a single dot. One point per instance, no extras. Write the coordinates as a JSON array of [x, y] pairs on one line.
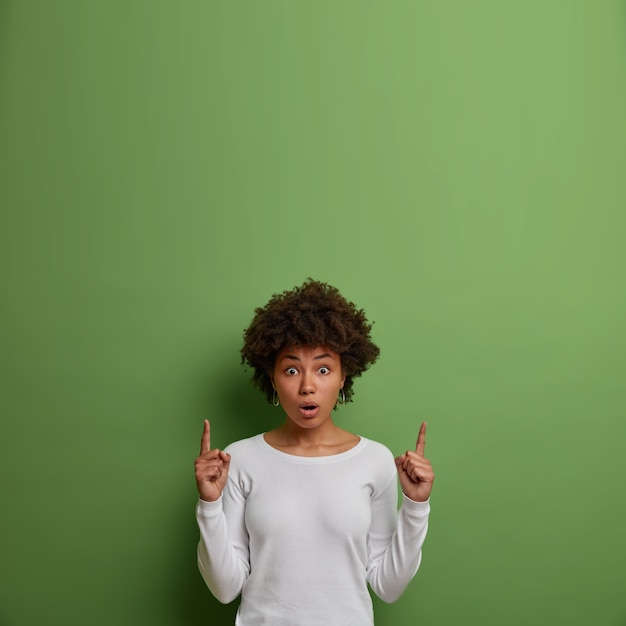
[[291, 371], [324, 370]]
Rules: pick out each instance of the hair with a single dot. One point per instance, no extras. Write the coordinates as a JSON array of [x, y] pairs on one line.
[[314, 314]]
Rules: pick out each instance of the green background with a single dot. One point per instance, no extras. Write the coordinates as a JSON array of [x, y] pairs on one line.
[[455, 168]]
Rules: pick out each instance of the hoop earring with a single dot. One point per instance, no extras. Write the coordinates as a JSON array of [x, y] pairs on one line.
[[275, 400], [341, 400]]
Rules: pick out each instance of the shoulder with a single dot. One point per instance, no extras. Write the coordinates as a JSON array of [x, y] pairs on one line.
[[246, 457], [376, 453], [377, 465], [247, 446], [376, 449]]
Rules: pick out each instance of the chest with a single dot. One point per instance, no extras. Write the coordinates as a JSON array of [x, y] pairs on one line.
[[307, 501]]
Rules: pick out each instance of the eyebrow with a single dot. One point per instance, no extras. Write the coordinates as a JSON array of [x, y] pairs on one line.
[[293, 357]]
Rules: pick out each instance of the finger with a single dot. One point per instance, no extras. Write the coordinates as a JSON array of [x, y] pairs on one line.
[[206, 466], [409, 464], [226, 460], [212, 473], [213, 457], [420, 462], [421, 440], [412, 459], [421, 476], [205, 444]]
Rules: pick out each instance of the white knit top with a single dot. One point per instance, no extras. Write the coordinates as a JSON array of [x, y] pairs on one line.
[[301, 537]]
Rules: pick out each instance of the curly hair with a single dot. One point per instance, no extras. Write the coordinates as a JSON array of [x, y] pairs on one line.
[[314, 314]]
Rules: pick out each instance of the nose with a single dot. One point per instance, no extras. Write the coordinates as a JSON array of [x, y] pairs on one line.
[[307, 385]]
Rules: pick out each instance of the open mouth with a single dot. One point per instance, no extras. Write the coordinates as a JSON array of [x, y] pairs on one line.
[[309, 410]]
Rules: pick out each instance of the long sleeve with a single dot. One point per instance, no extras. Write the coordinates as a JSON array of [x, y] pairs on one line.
[[395, 542], [300, 537], [223, 554]]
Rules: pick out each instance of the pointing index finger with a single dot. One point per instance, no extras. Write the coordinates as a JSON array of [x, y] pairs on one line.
[[205, 444], [421, 440]]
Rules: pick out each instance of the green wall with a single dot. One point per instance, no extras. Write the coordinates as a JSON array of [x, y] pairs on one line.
[[455, 168]]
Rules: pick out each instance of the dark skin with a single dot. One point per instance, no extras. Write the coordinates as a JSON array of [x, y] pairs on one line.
[[414, 470], [307, 381], [211, 468]]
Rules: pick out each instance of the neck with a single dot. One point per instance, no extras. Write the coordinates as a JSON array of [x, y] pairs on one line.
[[325, 440], [325, 434]]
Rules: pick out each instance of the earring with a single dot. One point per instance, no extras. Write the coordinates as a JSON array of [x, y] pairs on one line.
[[275, 400], [343, 396]]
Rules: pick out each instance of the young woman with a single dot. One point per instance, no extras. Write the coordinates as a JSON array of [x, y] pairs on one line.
[[300, 519]]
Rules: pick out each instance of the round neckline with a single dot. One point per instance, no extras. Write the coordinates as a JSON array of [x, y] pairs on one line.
[[328, 458]]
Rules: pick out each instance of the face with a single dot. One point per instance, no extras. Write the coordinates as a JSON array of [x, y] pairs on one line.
[[307, 381]]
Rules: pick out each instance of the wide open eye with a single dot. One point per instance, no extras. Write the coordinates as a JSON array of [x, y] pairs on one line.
[[324, 370], [291, 371]]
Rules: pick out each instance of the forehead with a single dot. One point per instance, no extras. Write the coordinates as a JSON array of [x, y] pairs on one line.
[[305, 353]]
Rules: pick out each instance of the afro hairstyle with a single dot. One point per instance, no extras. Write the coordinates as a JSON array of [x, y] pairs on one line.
[[314, 314]]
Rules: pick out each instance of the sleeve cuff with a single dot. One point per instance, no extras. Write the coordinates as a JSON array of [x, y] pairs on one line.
[[418, 508], [208, 509]]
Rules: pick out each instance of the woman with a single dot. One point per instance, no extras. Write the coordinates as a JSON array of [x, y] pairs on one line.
[[300, 519]]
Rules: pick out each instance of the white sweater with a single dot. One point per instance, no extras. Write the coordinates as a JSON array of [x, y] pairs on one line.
[[300, 537]]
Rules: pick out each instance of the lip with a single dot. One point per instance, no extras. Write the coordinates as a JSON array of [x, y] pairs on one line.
[[309, 409]]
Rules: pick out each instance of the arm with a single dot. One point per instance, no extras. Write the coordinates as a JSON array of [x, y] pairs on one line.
[[223, 557], [395, 542], [396, 550]]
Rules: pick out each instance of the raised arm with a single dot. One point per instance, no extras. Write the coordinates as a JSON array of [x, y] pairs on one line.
[[223, 567], [396, 541]]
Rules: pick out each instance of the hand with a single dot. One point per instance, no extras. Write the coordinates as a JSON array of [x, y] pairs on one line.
[[211, 468], [415, 472]]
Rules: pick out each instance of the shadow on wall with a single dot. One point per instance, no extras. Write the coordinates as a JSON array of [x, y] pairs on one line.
[[230, 399]]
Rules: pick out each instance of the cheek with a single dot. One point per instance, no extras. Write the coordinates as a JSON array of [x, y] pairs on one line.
[[283, 384]]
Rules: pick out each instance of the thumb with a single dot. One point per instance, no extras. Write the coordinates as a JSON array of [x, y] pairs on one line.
[[226, 459]]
